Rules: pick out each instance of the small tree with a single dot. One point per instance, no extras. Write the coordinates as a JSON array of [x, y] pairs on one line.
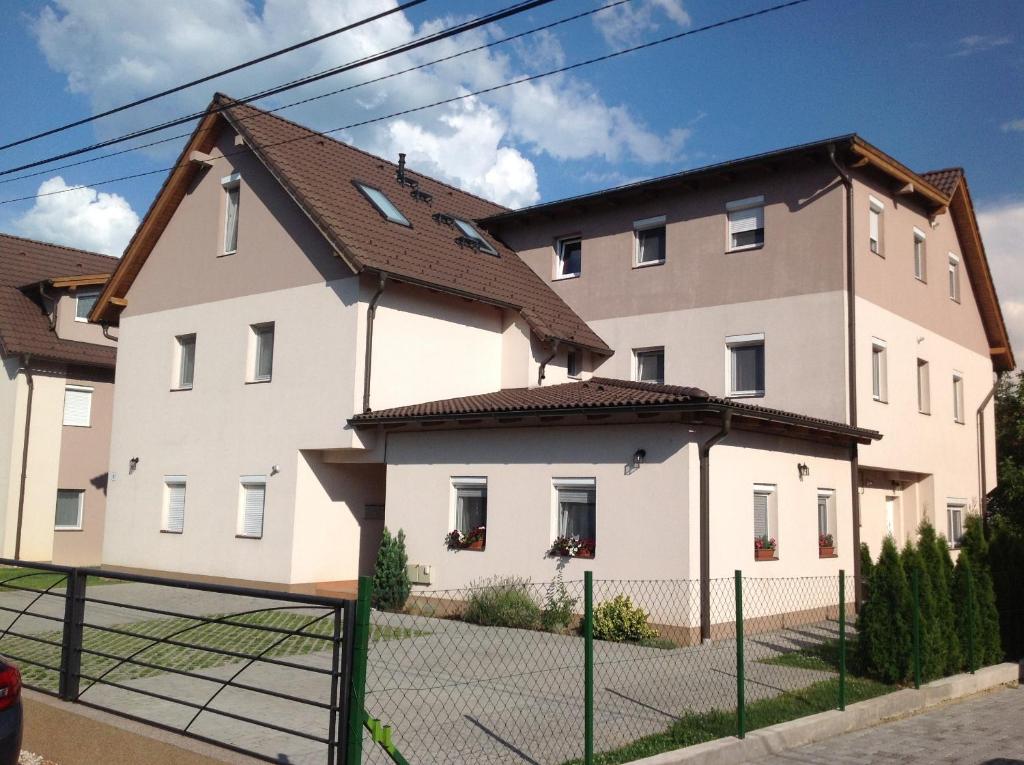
[[955, 650], [883, 627], [974, 542], [932, 650], [968, 612], [866, 567], [391, 584], [1006, 561], [946, 656]]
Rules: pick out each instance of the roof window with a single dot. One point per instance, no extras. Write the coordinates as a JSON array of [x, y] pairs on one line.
[[472, 237], [384, 205]]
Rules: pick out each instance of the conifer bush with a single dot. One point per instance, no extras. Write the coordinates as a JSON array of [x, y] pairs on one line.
[[1006, 563], [946, 657], [883, 627], [968, 614], [391, 585], [989, 646], [932, 650]]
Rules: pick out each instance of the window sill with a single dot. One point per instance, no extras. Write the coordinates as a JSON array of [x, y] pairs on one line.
[[258, 382], [830, 555], [226, 254], [878, 400], [747, 394], [67, 528], [921, 279], [81, 320], [958, 422], [69, 425], [564, 277], [248, 536], [168, 531], [179, 390], [649, 263], [766, 560], [467, 549], [746, 248], [926, 414], [576, 557]]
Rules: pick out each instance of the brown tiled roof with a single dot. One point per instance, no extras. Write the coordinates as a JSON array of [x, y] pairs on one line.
[[599, 393], [944, 180], [24, 326]]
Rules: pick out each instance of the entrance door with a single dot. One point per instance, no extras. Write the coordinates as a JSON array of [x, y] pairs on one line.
[[890, 516]]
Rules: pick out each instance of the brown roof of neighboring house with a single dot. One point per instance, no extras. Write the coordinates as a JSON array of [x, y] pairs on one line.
[[944, 180], [599, 395], [319, 172], [24, 325]]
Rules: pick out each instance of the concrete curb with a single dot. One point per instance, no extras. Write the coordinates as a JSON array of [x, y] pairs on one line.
[[864, 714]]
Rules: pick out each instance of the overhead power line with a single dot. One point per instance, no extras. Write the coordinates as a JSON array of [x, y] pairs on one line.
[[453, 99], [347, 88], [215, 75], [418, 42]]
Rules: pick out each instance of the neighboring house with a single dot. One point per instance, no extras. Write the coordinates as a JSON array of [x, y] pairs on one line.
[[56, 398], [285, 308], [744, 279]]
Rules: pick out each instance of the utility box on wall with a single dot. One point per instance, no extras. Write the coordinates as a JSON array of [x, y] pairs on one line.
[[419, 573]]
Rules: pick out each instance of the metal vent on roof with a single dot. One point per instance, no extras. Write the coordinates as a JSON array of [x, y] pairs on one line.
[[422, 196], [447, 220]]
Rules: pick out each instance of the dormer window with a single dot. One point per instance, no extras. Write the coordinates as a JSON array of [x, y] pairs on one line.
[[232, 187], [470, 232], [383, 205], [84, 303]]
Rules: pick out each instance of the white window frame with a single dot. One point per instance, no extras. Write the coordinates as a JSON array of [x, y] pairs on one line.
[[84, 389], [733, 342], [649, 351], [960, 505], [179, 357], [465, 482], [879, 370], [831, 518], [953, 274], [81, 511], [255, 332], [165, 519], [920, 263], [924, 387], [574, 363], [244, 482], [958, 397], [559, 259], [876, 220], [743, 205], [570, 483], [78, 297], [648, 224], [232, 185], [771, 512]]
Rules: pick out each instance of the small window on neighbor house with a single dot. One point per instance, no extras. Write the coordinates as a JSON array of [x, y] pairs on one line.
[[826, 517], [649, 364], [576, 507], [574, 363], [924, 394], [470, 232], [77, 406], [958, 397], [263, 351], [253, 500], [746, 223], [470, 504], [186, 360], [174, 506], [920, 259], [570, 258], [746, 365], [232, 189], [766, 518], [879, 371], [384, 205], [84, 303], [955, 518], [650, 241], [69, 509], [954, 277], [875, 210]]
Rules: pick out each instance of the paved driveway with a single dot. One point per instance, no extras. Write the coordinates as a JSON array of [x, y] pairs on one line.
[[985, 730]]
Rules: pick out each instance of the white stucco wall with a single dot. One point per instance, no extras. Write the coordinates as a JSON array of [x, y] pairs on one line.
[[12, 429], [44, 463]]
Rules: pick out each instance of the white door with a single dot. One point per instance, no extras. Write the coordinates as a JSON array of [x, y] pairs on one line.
[[890, 516]]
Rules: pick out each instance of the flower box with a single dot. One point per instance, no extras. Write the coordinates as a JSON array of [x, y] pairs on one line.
[[476, 539], [826, 546], [764, 554], [477, 544], [826, 552], [571, 547], [764, 548]]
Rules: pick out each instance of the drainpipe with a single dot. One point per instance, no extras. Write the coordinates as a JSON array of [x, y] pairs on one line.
[[371, 312], [851, 351], [705, 524], [544, 363], [980, 416], [105, 326], [50, 314], [24, 452]]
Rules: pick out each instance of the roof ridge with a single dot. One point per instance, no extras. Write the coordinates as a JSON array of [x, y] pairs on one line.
[[5, 235], [353, 147]]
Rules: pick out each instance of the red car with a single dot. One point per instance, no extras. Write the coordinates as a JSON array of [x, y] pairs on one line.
[[10, 713]]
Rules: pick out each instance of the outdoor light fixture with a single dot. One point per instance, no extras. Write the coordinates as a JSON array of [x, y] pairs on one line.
[[132, 464], [638, 458], [802, 469], [274, 470]]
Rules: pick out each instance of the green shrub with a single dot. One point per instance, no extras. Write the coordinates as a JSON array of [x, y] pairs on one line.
[[1006, 562], [866, 567], [883, 627], [619, 621], [503, 602], [557, 614], [391, 584], [968, 612], [933, 657], [990, 650], [942, 656]]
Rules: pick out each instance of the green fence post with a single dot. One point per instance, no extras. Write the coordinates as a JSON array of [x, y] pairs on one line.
[[588, 673], [916, 582], [357, 692], [741, 711], [842, 640], [970, 622]]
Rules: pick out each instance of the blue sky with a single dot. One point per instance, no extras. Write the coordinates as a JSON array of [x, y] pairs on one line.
[[933, 83]]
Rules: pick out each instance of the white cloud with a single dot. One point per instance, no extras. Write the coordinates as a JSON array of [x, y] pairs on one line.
[[972, 44], [630, 24], [1002, 229], [1015, 126], [485, 147], [82, 217]]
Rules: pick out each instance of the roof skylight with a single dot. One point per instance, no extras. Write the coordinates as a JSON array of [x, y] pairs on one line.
[[469, 231], [384, 205]]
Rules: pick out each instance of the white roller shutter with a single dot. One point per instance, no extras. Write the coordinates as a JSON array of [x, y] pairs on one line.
[[750, 219], [175, 507], [253, 498], [760, 514], [77, 406]]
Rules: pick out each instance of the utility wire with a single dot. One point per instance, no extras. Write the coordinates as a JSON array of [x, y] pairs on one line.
[[454, 99], [345, 89], [221, 73], [418, 42]]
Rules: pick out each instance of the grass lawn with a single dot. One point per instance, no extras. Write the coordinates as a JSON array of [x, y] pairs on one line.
[[37, 579], [235, 636]]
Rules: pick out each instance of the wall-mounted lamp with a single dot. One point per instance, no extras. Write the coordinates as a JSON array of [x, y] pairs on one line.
[[274, 470], [638, 458], [132, 464], [803, 470]]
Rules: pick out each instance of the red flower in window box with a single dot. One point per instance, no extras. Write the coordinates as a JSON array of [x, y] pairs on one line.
[[571, 547], [475, 539], [764, 548], [826, 546]]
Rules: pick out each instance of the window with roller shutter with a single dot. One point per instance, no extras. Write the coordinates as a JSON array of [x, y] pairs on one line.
[[253, 501], [174, 511], [746, 223], [77, 406]]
